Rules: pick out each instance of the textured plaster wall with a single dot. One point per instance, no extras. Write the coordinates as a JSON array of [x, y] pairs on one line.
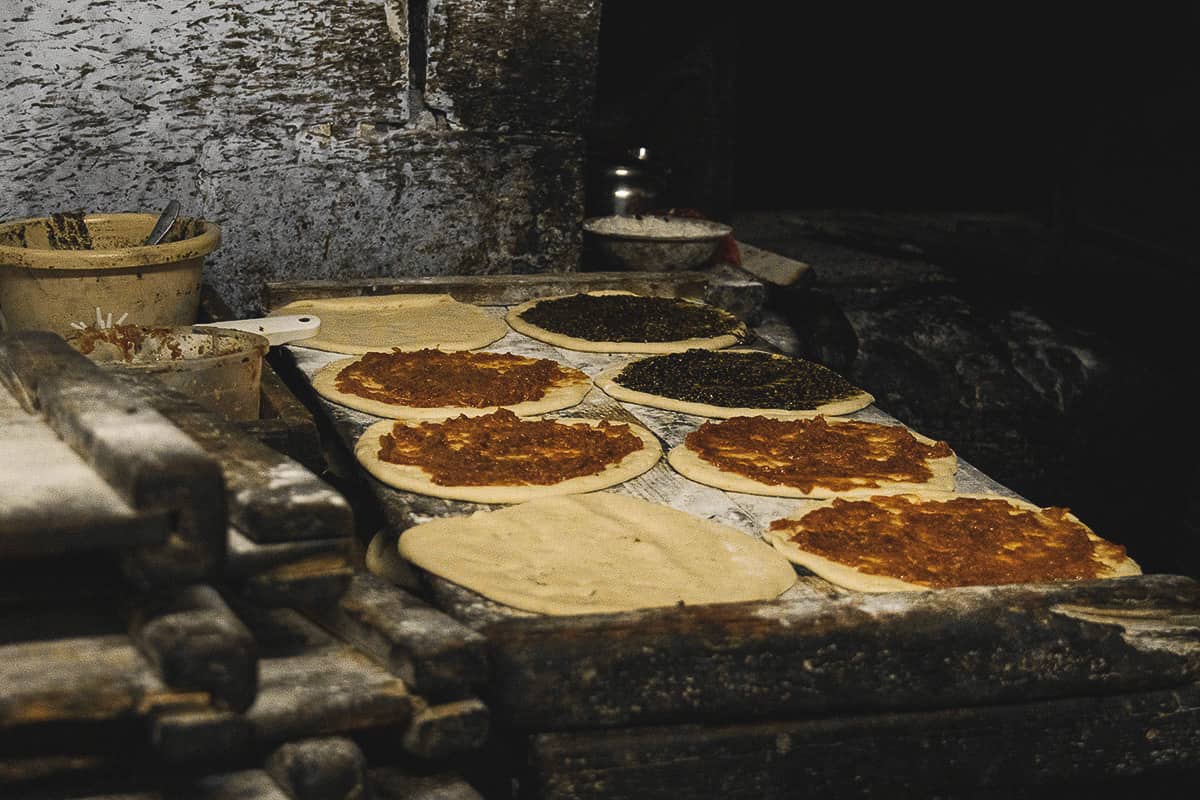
[[298, 127]]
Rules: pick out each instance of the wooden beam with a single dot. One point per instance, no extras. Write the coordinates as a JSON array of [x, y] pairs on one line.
[[431, 652], [271, 498], [150, 464], [326, 768], [196, 642], [904, 650], [1078, 747]]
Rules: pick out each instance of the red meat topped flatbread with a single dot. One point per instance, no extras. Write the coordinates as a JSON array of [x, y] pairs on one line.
[[918, 542], [431, 384]]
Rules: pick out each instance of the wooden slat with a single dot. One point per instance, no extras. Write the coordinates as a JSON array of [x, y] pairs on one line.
[[52, 501], [196, 642], [309, 582], [271, 497], [1111, 746], [395, 783], [325, 768], [93, 678], [310, 684], [431, 652], [445, 730], [959, 647], [246, 558], [148, 462]]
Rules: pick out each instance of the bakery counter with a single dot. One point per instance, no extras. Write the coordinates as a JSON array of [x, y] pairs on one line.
[[988, 689]]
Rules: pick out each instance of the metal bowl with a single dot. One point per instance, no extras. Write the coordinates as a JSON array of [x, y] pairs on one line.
[[655, 243]]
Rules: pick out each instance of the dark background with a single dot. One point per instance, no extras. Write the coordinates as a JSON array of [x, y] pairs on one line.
[[1070, 139]]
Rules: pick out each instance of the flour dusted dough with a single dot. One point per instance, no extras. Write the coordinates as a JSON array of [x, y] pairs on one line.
[[607, 381], [414, 479], [849, 577], [688, 463], [737, 333], [595, 553], [558, 397], [404, 321]]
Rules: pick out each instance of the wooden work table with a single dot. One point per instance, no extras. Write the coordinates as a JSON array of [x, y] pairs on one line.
[[821, 692]]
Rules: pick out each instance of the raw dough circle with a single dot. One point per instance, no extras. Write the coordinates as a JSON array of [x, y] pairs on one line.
[[593, 553], [406, 321]]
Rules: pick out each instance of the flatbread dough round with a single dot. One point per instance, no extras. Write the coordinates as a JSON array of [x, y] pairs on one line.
[[403, 321], [597, 553], [1115, 562], [414, 479], [737, 331], [688, 463], [556, 398], [608, 381]]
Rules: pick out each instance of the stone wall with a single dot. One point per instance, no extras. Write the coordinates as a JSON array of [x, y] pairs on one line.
[[328, 139]]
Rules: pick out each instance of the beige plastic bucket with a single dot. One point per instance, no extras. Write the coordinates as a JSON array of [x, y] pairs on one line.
[[75, 268], [218, 368]]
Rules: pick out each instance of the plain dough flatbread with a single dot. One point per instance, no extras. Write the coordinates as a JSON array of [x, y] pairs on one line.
[[406, 321], [557, 398], [737, 334], [414, 479], [595, 553], [856, 580], [686, 462], [607, 381]]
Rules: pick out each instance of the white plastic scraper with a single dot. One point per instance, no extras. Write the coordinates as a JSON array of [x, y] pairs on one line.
[[278, 330]]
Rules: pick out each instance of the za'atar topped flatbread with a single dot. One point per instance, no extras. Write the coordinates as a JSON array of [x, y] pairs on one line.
[[813, 457], [431, 384], [623, 322], [732, 383], [917, 542], [503, 458]]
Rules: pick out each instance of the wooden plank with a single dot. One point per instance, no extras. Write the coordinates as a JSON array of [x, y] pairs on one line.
[[271, 497], [197, 736], [958, 647], [146, 460], [394, 783], [309, 582], [53, 503], [431, 652], [246, 558], [195, 641], [447, 729], [1111, 746], [90, 678], [326, 768], [310, 684]]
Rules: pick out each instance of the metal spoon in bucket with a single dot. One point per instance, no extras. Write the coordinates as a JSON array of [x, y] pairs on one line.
[[165, 220]]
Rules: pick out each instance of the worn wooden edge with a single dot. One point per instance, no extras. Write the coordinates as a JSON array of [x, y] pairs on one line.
[[84, 679], [445, 730], [431, 652], [813, 655], [196, 642], [146, 460], [311, 684], [271, 497], [309, 582], [1087, 746], [319, 768]]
